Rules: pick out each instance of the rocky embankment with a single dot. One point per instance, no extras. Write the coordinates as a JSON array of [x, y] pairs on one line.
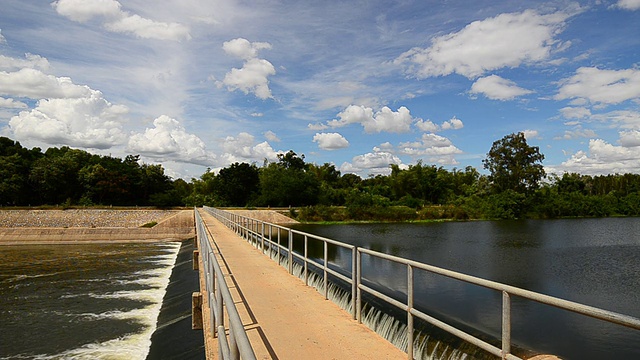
[[94, 225], [81, 218]]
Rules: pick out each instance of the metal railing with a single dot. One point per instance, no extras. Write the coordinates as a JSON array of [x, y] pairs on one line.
[[255, 232], [236, 345]]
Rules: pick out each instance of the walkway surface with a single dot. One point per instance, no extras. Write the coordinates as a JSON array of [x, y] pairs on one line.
[[284, 318]]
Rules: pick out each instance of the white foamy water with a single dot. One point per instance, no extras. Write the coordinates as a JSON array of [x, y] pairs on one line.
[[134, 345]]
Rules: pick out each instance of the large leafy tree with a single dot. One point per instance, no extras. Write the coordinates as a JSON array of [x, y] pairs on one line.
[[514, 165], [288, 182], [237, 184]]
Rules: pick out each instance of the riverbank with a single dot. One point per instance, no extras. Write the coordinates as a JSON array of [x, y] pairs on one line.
[[94, 225]]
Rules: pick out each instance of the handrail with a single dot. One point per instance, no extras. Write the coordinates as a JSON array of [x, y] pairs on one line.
[[237, 345], [255, 231], [248, 229]]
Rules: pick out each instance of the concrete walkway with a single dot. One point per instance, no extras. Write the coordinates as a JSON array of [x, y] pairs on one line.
[[284, 318]]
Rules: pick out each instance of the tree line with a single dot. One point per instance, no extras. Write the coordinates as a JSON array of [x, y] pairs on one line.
[[516, 186]]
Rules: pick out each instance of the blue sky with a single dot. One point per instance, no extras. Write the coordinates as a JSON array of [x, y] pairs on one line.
[[197, 84]]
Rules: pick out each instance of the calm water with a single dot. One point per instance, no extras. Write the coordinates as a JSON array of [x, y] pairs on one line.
[[591, 261], [81, 301]]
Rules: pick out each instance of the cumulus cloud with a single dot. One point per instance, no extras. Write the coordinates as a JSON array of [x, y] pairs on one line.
[[507, 40], [89, 121], [603, 158], [452, 124], [601, 87], [377, 162], [630, 138], [243, 48], [30, 61], [575, 112], [577, 134], [117, 20], [253, 77], [35, 84], [497, 88], [428, 126], [433, 147], [330, 141], [271, 136], [243, 148], [629, 4], [383, 120], [12, 104], [169, 140]]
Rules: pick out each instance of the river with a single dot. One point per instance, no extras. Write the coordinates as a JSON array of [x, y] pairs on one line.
[[591, 261], [93, 301]]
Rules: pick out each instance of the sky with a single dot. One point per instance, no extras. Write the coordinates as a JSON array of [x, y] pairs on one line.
[[201, 84]]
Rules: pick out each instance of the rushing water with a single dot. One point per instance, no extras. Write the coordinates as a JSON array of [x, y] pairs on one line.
[[81, 301], [592, 261]]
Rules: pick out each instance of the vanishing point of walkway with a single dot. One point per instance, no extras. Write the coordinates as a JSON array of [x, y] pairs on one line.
[[284, 318]]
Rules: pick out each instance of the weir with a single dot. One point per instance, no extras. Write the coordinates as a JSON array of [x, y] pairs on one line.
[[278, 243]]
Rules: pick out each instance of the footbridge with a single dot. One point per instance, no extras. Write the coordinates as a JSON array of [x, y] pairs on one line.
[[261, 299]]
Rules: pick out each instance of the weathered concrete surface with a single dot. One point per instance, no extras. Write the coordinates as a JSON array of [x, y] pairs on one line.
[[271, 216], [179, 225], [284, 318]]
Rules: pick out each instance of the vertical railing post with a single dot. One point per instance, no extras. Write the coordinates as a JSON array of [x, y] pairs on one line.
[[290, 255], [262, 237], [306, 272], [278, 248], [506, 324], [326, 275], [358, 291], [409, 315], [354, 284]]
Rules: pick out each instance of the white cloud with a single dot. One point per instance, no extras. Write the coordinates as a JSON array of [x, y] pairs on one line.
[[2, 38], [602, 158], [530, 134], [117, 20], [576, 134], [630, 138], [384, 120], [428, 126], [30, 61], [244, 149], [507, 40], [436, 149], [271, 136], [629, 4], [12, 104], [243, 48], [83, 11], [169, 140], [89, 122], [252, 78], [497, 88], [452, 124], [330, 141], [601, 87], [35, 84], [373, 163], [149, 29], [575, 112]]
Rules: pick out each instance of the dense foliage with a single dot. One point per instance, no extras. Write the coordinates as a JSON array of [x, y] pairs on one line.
[[516, 186]]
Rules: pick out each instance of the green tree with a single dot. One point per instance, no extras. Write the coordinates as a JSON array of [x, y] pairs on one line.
[[238, 184], [514, 165], [288, 182]]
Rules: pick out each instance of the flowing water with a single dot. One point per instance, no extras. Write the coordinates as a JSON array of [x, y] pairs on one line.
[[98, 301], [591, 261]]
